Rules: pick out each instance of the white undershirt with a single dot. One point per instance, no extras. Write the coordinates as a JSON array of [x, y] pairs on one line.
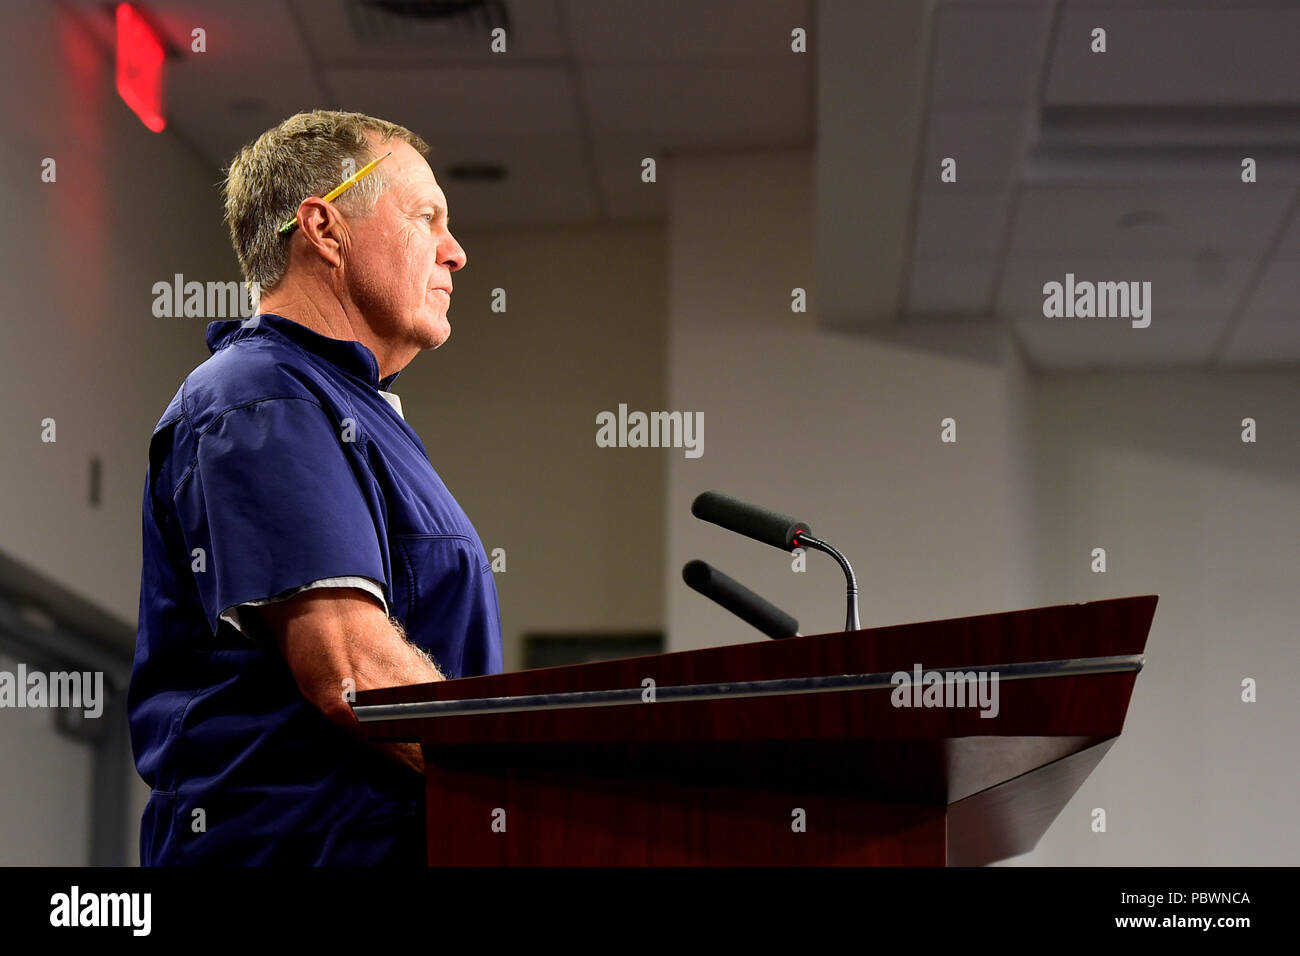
[[231, 614], [392, 399]]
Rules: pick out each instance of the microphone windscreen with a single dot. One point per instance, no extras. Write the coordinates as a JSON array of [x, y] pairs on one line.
[[739, 600], [760, 524]]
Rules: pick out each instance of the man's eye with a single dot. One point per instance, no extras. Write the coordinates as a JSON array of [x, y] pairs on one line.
[[428, 216]]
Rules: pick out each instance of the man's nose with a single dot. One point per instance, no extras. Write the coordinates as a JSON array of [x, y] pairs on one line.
[[454, 256]]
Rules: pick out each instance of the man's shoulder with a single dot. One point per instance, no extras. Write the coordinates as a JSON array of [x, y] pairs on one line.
[[243, 373]]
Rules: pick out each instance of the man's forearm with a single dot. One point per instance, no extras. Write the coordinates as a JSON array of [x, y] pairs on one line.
[[337, 642], [411, 665], [422, 670]]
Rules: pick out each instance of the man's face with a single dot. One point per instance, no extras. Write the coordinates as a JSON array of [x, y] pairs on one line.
[[399, 260]]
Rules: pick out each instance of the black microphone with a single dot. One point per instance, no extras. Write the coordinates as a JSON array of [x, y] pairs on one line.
[[739, 600], [778, 530]]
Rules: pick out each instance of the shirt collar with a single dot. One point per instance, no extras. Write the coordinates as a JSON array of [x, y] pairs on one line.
[[348, 355]]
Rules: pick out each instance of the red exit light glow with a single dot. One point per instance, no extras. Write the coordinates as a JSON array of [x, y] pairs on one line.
[[140, 56]]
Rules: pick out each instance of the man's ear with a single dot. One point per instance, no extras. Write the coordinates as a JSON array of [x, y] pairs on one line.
[[322, 227]]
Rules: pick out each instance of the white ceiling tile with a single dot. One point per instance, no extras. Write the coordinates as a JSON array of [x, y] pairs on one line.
[[1084, 160], [1278, 291], [450, 102], [1273, 341], [1146, 222], [1187, 339], [1168, 6], [1269, 327], [534, 31], [988, 55], [704, 32], [1176, 286], [252, 33], [1289, 248], [238, 108], [990, 4], [548, 179], [1195, 56], [701, 107]]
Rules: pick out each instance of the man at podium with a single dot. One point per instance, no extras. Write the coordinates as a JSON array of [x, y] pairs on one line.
[[298, 544]]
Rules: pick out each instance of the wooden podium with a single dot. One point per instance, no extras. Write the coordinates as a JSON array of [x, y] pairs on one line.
[[793, 752]]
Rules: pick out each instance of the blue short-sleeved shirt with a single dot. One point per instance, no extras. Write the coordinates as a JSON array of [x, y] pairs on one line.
[[281, 463]]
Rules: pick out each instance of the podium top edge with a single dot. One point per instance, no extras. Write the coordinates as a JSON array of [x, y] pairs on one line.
[[1136, 600], [974, 673]]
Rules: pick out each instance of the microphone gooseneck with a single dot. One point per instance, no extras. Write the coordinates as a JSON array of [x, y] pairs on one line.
[[778, 530], [851, 622]]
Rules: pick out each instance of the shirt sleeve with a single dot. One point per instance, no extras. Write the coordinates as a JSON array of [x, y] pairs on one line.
[[376, 590], [272, 503]]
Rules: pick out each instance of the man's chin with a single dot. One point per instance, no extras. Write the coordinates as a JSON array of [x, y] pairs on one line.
[[441, 335], [434, 333]]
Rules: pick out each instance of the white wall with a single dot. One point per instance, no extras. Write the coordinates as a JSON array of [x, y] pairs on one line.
[[44, 790], [1151, 467], [78, 337], [843, 433]]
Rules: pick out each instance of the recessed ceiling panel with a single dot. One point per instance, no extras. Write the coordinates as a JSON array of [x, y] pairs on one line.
[[1208, 54], [1150, 222]]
